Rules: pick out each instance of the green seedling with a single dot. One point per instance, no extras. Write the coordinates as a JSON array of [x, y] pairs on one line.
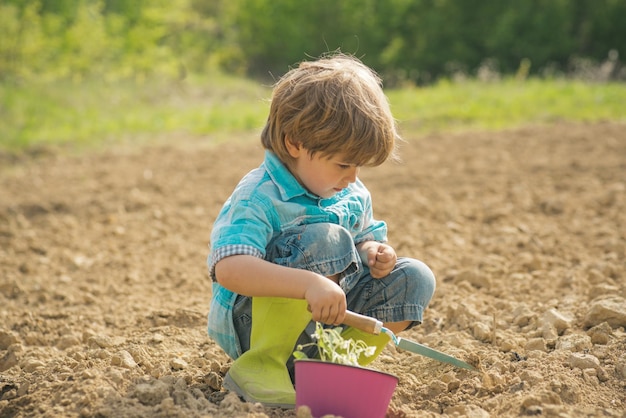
[[333, 348]]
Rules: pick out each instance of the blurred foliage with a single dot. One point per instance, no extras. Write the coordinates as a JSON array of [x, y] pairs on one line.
[[113, 39], [94, 112], [414, 41]]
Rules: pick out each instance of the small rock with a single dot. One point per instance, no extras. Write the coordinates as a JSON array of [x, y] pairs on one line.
[[493, 380], [446, 378], [23, 389], [101, 354], [34, 338], [611, 310], [214, 380], [9, 360], [541, 399], [199, 362], [522, 316], [7, 338], [88, 374], [556, 319], [437, 387], [574, 342], [151, 394], [160, 370], [30, 365], [188, 318], [454, 385], [303, 412], [601, 290], [115, 376], [8, 393], [178, 364], [123, 359], [538, 344], [591, 376], [482, 332], [548, 332], [104, 341], [600, 334], [583, 361], [87, 335], [473, 277], [532, 377], [215, 367], [140, 355], [224, 368], [568, 393], [465, 316], [67, 341], [507, 346]]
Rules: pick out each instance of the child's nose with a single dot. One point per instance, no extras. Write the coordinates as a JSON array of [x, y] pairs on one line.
[[353, 174]]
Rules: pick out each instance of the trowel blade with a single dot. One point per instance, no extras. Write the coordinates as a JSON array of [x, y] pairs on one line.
[[431, 353]]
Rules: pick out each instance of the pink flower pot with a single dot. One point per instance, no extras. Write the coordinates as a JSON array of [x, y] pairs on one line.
[[347, 391]]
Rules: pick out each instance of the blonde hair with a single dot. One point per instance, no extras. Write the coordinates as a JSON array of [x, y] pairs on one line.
[[335, 105]]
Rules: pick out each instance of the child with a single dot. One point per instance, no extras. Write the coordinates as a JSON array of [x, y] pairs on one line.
[[296, 242]]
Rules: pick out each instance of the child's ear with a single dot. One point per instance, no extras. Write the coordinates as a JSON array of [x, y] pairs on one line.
[[292, 149]]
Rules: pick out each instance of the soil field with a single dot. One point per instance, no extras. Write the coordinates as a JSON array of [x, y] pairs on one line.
[[104, 290]]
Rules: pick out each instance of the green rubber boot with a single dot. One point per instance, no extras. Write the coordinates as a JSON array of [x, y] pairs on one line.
[[260, 374], [379, 341]]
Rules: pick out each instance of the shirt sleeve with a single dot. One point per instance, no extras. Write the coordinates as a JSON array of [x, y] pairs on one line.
[[243, 227]]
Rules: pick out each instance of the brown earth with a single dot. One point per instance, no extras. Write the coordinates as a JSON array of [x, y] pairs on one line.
[[104, 291]]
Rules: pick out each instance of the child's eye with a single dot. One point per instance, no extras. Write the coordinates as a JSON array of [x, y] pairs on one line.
[[344, 166]]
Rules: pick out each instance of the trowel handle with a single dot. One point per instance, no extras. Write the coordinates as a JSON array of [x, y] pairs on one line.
[[362, 322]]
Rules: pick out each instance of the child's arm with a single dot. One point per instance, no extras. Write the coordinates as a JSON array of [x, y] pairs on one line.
[[381, 258], [252, 276]]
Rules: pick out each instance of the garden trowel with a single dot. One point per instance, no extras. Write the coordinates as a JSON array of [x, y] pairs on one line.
[[374, 326]]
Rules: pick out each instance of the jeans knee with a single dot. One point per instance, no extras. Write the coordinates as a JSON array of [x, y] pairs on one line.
[[322, 247], [325, 241], [330, 234], [423, 278]]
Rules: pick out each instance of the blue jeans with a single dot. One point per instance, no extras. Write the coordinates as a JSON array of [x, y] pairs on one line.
[[328, 249]]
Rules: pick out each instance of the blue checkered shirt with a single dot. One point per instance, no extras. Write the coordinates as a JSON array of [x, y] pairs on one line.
[[266, 202]]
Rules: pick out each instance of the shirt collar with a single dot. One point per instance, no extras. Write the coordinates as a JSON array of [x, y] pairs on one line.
[[286, 183]]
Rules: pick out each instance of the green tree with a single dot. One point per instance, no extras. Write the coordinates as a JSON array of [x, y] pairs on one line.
[[537, 30]]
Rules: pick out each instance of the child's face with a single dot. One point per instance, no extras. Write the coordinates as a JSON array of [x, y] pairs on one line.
[[322, 176]]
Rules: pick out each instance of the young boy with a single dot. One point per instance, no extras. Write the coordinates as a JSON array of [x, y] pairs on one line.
[[297, 242]]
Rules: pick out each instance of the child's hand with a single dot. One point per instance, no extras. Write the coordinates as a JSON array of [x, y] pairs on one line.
[[327, 301], [381, 258]]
